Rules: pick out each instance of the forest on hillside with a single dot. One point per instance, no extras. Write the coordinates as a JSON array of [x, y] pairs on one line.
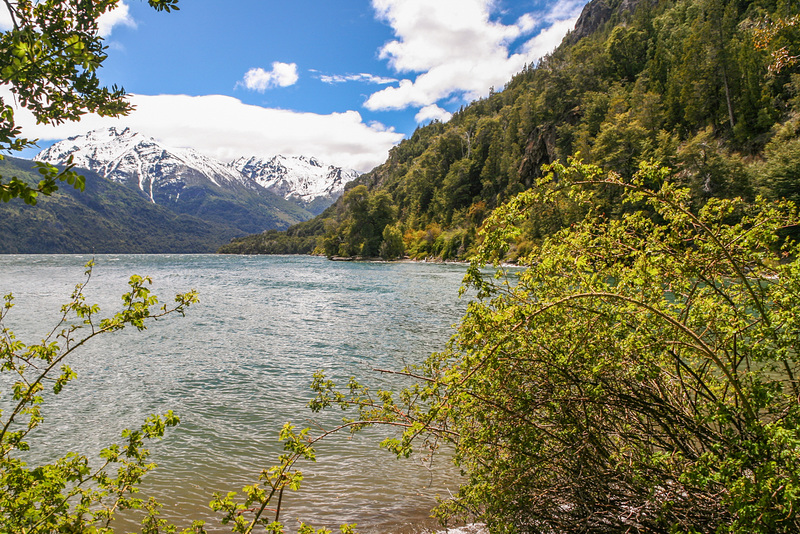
[[638, 372], [707, 88]]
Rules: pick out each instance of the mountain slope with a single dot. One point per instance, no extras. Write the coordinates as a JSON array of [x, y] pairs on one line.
[[181, 180], [681, 82], [133, 159], [289, 190], [306, 180], [105, 218]]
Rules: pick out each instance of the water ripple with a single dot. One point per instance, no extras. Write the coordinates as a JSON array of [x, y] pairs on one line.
[[238, 367]]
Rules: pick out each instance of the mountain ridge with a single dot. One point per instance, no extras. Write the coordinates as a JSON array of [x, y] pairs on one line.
[[296, 177], [162, 172], [107, 217]]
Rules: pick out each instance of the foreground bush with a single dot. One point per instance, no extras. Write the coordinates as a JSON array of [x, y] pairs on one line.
[[71, 494], [638, 374]]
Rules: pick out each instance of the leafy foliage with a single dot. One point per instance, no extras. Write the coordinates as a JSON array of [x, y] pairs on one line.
[[50, 58], [72, 494], [76, 494], [252, 513], [269, 242], [639, 374]]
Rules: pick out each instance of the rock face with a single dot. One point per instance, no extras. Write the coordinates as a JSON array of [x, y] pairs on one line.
[[166, 174], [539, 150], [598, 12]]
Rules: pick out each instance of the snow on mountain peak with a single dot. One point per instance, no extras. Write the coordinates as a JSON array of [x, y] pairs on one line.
[[162, 172], [299, 177]]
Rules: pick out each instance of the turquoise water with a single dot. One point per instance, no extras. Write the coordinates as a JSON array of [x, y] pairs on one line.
[[239, 365]]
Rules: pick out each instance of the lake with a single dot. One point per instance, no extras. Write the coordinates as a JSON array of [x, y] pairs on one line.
[[239, 366]]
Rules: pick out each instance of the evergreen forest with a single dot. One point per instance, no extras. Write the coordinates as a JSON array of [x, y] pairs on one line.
[[707, 88]]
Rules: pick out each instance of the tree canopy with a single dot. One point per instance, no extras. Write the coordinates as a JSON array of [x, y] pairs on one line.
[[49, 59]]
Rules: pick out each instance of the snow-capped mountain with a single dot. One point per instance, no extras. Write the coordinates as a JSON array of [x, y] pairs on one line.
[[165, 173], [159, 171], [299, 177]]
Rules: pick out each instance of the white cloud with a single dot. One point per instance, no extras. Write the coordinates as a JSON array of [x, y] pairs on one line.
[[564, 9], [119, 16], [433, 33], [225, 128], [456, 48], [5, 18], [526, 23], [548, 39], [361, 77], [432, 112], [281, 75]]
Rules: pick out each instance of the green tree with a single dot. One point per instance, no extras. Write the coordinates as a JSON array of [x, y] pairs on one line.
[[382, 213], [640, 374], [621, 143], [779, 175], [392, 244], [72, 494], [50, 58], [709, 171], [627, 51], [361, 234]]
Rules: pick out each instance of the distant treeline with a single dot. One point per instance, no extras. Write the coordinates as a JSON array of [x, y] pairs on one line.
[[271, 242]]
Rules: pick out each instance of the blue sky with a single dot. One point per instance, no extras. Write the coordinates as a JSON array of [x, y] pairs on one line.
[[342, 80]]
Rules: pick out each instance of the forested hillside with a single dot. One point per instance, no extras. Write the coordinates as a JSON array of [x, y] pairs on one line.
[[705, 87], [105, 218]]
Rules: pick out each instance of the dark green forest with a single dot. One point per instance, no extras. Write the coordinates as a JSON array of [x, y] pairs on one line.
[[707, 88]]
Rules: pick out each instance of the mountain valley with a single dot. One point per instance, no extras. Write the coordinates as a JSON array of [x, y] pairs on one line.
[[201, 202]]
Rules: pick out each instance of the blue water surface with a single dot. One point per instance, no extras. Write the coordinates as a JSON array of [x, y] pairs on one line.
[[239, 366]]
